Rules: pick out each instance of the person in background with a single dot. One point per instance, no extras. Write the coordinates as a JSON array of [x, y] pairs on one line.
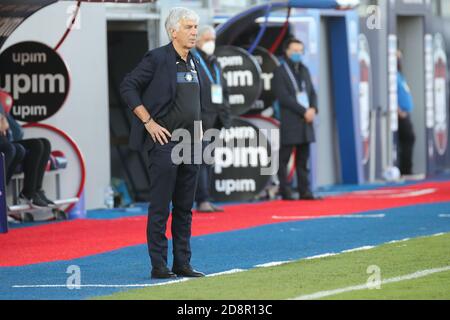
[[14, 154], [33, 154], [298, 107], [406, 136], [215, 108]]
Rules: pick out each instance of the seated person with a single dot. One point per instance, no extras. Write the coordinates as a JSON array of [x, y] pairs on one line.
[[14, 154], [33, 154]]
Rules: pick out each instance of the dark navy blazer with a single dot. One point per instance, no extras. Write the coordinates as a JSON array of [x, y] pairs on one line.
[[293, 128], [152, 84]]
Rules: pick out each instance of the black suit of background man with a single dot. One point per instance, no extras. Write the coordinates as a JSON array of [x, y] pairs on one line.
[[296, 118]]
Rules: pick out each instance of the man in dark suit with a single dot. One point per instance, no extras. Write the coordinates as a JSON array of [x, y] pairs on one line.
[[164, 93], [215, 108], [298, 107]]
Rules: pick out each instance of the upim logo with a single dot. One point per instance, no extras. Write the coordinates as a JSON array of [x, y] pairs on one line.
[[29, 57], [239, 78], [233, 61], [18, 84], [240, 158], [228, 186], [37, 79]]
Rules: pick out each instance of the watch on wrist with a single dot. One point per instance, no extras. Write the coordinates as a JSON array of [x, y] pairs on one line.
[[148, 121]]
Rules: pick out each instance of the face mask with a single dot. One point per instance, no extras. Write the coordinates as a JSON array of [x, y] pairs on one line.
[[209, 47], [296, 57]]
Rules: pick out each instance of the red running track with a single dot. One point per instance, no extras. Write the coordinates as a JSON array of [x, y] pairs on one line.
[[79, 238]]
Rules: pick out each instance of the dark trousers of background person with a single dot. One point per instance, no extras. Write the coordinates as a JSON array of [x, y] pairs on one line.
[[174, 183], [204, 181], [302, 156], [406, 139], [34, 164], [33, 154], [14, 155]]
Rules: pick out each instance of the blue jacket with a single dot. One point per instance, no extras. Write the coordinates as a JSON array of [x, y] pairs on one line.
[[405, 100], [15, 132], [152, 84]]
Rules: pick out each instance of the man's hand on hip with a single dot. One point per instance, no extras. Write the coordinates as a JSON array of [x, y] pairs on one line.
[[158, 132]]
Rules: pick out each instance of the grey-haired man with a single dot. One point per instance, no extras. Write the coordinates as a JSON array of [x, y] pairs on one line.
[[164, 93]]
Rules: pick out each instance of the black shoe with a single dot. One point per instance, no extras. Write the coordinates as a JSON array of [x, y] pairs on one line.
[[208, 207], [34, 201], [217, 209], [162, 273], [287, 196], [187, 271], [49, 202], [205, 207], [310, 197]]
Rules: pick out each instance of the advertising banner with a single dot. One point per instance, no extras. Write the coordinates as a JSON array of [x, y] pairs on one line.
[[243, 75]]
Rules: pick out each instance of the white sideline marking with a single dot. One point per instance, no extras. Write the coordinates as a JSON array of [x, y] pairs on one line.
[[232, 271], [271, 264], [397, 241], [444, 216], [391, 193], [350, 216], [438, 234], [358, 249], [320, 256], [412, 276], [143, 285], [414, 193]]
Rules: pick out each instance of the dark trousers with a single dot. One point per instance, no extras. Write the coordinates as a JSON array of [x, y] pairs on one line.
[[202, 193], [170, 183], [406, 139], [33, 154], [36, 159], [302, 156], [14, 155], [204, 184]]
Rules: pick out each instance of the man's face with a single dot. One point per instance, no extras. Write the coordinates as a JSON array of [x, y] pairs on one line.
[[295, 48], [206, 37], [186, 35]]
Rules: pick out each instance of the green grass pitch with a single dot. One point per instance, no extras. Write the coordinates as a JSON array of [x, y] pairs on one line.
[[306, 277]]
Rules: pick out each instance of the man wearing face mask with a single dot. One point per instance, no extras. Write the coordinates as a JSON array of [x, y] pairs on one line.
[[215, 108], [298, 107]]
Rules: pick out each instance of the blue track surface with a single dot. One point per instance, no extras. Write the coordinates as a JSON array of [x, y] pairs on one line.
[[224, 251]]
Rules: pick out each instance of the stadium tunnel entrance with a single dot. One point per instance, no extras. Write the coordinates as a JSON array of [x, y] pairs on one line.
[[126, 166], [411, 31]]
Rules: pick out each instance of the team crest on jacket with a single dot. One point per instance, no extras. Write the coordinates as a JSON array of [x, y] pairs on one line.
[[189, 77]]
